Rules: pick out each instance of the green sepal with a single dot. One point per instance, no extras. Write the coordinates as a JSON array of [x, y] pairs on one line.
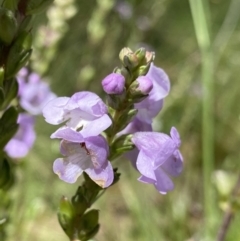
[[143, 70], [89, 235], [19, 54], [37, 6], [10, 91], [79, 202], [140, 54], [89, 225], [123, 140], [8, 26], [66, 215], [125, 119], [115, 101], [116, 176], [8, 126], [119, 151]]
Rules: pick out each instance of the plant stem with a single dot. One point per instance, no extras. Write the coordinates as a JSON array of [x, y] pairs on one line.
[[229, 214], [199, 14]]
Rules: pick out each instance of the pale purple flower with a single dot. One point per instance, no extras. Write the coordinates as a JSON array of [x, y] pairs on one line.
[[113, 84], [151, 105], [23, 140], [158, 157], [34, 93], [145, 84], [84, 112], [84, 154]]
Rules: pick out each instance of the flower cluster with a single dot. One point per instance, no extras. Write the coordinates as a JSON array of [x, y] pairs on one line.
[[85, 117], [135, 95], [156, 155], [33, 95]]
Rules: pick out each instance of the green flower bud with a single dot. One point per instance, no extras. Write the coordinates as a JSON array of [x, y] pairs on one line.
[[140, 54], [143, 70], [124, 52], [8, 26]]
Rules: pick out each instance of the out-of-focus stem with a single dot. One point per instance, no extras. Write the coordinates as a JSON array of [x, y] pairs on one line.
[[199, 14]]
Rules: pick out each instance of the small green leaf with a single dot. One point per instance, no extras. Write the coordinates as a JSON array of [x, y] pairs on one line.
[[8, 26], [10, 91], [8, 126]]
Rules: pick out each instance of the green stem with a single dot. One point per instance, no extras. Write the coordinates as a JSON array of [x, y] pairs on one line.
[[199, 14]]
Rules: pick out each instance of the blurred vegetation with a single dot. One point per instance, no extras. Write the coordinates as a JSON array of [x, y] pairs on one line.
[[76, 45]]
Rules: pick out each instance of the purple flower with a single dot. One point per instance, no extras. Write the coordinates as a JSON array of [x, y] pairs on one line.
[[34, 93], [158, 157], [23, 140], [84, 112], [151, 105], [145, 84], [84, 154], [113, 84]]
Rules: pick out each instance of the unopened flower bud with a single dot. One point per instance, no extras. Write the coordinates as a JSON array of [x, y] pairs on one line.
[[145, 84], [140, 53], [113, 84], [141, 86], [149, 56], [124, 52]]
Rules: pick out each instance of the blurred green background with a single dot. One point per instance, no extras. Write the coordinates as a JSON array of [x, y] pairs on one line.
[[76, 44]]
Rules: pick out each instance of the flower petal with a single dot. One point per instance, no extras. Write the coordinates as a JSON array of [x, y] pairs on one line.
[[175, 136], [161, 83], [68, 134], [103, 176], [67, 171], [53, 111], [144, 165], [98, 150], [87, 102], [174, 164], [95, 127], [146, 180], [164, 183]]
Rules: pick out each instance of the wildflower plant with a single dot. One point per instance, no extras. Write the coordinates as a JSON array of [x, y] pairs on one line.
[[93, 134]]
